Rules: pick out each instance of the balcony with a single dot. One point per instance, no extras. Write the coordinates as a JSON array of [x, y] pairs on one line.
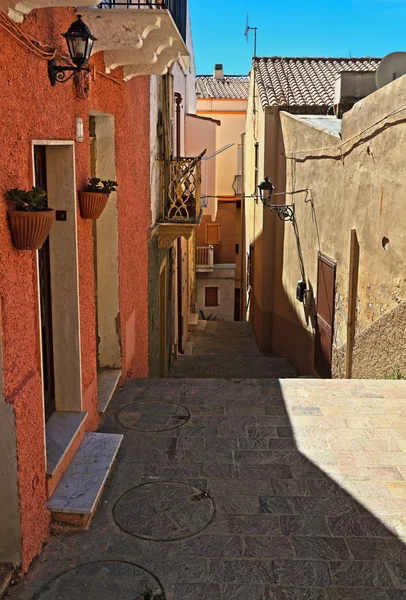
[[140, 36], [237, 185], [204, 259], [181, 209]]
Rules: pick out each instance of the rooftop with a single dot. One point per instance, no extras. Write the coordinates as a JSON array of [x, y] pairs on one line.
[[304, 82], [230, 86], [326, 123]]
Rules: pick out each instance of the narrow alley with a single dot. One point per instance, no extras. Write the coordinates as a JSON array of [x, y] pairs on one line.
[[249, 488]]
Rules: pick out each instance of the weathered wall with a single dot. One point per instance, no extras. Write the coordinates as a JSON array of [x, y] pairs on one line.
[[33, 109], [10, 534], [224, 279], [359, 185], [378, 351]]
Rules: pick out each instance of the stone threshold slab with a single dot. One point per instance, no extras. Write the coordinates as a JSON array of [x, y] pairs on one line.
[[81, 485], [60, 431], [107, 382]]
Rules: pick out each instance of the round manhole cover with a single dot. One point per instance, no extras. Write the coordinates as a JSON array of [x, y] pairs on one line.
[[164, 511], [105, 579], [152, 415]]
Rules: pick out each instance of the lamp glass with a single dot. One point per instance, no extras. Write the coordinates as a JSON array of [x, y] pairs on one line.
[[265, 190], [80, 42]]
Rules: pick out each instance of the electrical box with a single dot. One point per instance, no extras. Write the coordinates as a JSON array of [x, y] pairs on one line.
[[300, 290]]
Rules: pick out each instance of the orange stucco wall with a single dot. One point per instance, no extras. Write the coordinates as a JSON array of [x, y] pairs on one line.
[[31, 109]]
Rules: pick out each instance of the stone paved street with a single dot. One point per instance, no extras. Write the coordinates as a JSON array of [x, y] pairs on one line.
[[243, 489], [228, 349]]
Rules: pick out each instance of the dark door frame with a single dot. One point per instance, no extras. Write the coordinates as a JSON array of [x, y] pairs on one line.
[[45, 293]]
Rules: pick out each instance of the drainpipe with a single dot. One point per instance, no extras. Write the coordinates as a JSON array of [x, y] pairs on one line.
[[178, 102]]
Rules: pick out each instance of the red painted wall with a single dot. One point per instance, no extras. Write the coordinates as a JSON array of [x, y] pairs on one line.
[[31, 109]]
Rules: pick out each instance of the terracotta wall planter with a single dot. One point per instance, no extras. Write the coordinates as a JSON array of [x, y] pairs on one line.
[[29, 230], [92, 204]]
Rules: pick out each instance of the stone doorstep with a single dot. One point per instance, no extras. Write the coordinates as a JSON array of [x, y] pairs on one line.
[[192, 322], [75, 499], [107, 382], [64, 432], [6, 573]]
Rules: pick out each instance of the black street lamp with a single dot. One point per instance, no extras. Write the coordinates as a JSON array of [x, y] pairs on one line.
[[265, 190], [80, 43]]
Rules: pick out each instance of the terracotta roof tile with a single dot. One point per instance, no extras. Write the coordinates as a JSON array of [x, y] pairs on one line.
[[232, 86], [303, 81]]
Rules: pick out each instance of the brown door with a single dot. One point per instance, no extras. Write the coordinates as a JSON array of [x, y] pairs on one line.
[[45, 296], [326, 276]]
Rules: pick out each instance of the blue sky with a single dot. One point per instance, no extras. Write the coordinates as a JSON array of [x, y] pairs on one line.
[[291, 28]]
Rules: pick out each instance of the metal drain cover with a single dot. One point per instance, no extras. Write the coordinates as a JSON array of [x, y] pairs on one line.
[[164, 511], [152, 415], [103, 580]]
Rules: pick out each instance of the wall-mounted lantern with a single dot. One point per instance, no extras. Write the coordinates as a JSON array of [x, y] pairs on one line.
[[286, 212], [265, 190], [80, 43]]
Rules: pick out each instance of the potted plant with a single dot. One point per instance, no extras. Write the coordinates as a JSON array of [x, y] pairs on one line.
[[31, 219], [93, 199]]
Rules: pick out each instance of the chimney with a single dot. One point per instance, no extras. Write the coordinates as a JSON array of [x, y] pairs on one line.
[[218, 72]]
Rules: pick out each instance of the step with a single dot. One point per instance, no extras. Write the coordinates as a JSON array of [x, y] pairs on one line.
[[201, 325], [193, 319], [107, 382], [188, 348], [75, 499], [64, 433], [6, 573]]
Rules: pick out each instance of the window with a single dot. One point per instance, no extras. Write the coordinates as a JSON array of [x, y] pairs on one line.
[[211, 297], [212, 233]]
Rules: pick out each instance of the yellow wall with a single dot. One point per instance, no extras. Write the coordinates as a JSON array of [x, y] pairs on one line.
[[231, 113], [357, 182], [263, 230]]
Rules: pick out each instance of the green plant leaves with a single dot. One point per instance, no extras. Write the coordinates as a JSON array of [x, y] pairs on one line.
[[28, 201]]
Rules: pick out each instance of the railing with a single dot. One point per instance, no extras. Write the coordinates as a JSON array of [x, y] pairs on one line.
[[177, 8], [237, 187], [204, 258], [182, 190]]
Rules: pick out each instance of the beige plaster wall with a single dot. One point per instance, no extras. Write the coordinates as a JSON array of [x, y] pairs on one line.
[[224, 279], [360, 185], [106, 251], [263, 229], [200, 135], [232, 114]]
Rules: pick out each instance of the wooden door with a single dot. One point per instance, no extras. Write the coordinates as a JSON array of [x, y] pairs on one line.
[[45, 296], [326, 276]]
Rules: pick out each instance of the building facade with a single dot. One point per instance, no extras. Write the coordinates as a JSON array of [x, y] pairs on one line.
[[315, 89], [75, 314], [350, 234], [219, 236]]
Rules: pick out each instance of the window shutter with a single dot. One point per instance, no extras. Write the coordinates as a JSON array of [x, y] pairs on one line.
[[212, 233], [211, 296]]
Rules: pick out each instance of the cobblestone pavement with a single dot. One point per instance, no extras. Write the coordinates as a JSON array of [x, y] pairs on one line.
[[243, 489], [228, 349]]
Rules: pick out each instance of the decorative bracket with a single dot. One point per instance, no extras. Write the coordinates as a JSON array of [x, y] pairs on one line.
[[286, 212], [168, 232]]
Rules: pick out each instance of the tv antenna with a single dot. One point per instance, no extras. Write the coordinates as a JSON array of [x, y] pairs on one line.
[[247, 32]]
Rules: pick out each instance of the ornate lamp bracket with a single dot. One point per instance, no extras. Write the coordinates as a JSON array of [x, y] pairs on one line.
[[286, 212]]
